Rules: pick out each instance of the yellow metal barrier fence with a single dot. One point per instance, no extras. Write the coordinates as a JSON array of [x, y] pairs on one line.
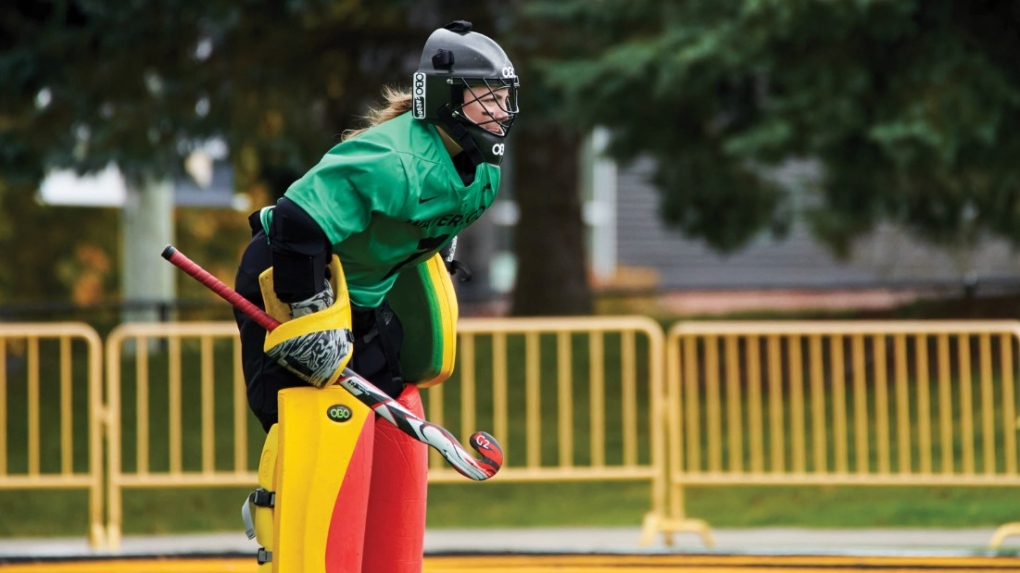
[[188, 409], [835, 403], [604, 424], [52, 443], [605, 420], [839, 403]]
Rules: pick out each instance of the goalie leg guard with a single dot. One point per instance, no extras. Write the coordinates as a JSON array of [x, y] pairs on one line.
[[325, 466], [257, 511], [395, 530]]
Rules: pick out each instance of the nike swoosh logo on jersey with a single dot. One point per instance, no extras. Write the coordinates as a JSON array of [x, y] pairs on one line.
[[427, 199]]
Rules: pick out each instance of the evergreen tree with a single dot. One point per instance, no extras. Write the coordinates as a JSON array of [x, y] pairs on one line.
[[908, 105]]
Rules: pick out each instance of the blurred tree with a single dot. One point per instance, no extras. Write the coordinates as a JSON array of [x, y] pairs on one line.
[[142, 84], [907, 104], [68, 256], [551, 276]]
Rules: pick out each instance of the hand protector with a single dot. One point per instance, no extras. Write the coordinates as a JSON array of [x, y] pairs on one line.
[[316, 344], [315, 303]]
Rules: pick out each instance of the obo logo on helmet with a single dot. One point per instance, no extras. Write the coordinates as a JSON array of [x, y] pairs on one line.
[[418, 96]]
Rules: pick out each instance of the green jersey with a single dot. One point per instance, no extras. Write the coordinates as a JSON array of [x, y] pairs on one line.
[[389, 199]]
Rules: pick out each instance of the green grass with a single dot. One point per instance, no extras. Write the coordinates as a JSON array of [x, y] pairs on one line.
[[853, 507], [734, 507], [497, 505], [624, 504]]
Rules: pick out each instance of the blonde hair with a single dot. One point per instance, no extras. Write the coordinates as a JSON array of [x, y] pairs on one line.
[[398, 102]]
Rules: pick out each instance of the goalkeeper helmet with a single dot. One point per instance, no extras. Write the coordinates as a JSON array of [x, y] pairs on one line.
[[459, 68]]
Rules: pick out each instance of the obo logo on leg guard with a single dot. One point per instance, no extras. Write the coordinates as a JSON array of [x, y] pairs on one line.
[[339, 413]]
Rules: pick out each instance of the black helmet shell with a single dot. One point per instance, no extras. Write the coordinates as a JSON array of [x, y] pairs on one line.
[[454, 57]]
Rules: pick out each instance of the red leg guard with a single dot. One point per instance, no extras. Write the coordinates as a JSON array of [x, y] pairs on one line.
[[324, 475], [344, 534], [395, 530]]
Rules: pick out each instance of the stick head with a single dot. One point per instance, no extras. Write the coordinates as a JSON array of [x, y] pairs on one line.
[[490, 450]]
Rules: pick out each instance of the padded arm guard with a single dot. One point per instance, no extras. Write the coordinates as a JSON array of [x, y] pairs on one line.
[[317, 346]]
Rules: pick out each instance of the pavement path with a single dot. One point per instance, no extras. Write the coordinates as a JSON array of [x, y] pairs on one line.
[[777, 541]]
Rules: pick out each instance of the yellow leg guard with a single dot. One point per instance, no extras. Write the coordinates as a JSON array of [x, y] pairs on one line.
[[323, 471], [262, 500]]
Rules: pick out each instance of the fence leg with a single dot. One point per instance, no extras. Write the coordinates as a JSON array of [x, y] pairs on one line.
[[1004, 531], [655, 523]]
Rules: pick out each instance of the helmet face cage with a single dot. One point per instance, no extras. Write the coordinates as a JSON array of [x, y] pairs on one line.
[[503, 92], [460, 68]]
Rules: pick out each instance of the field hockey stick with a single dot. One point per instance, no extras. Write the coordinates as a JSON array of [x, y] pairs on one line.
[[367, 393]]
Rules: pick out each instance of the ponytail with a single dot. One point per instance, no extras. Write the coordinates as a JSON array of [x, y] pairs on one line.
[[398, 102]]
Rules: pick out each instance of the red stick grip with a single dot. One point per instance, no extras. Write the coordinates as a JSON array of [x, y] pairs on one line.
[[214, 284]]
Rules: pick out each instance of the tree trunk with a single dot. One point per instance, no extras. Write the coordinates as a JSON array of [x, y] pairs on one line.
[[549, 237], [148, 282]]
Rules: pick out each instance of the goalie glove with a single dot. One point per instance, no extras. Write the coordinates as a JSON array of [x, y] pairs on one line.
[[315, 303], [317, 357], [317, 342]]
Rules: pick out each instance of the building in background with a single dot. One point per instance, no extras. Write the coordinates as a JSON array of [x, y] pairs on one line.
[[884, 268], [147, 221]]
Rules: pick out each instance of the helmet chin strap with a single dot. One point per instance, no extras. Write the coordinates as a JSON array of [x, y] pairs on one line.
[[461, 135]]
